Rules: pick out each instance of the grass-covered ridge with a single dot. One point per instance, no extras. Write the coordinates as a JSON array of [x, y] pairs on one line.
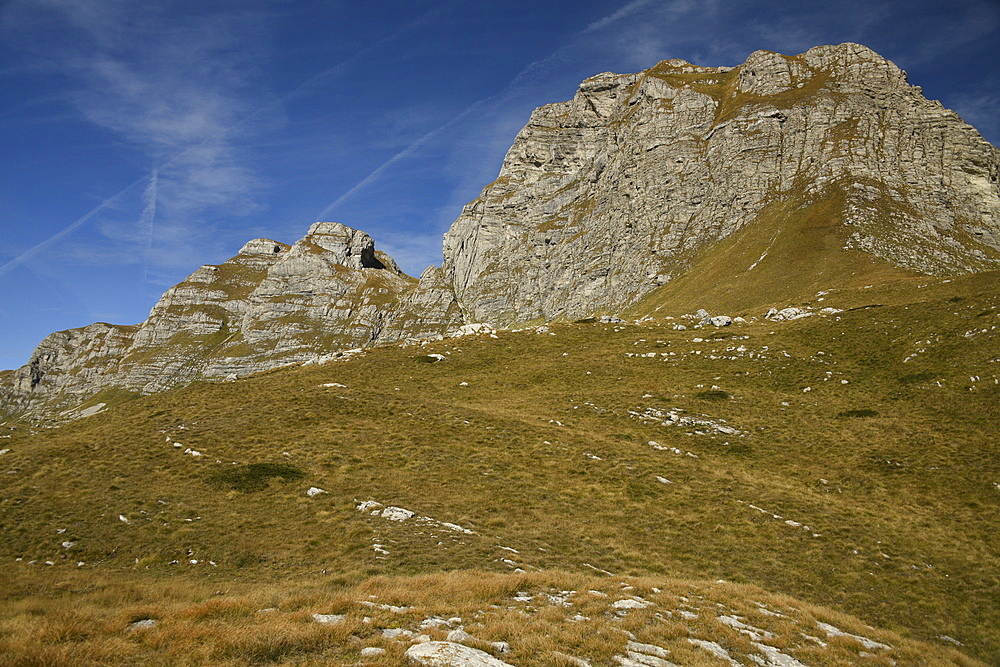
[[846, 460]]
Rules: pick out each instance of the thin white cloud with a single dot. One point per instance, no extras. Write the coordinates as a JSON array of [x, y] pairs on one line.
[[522, 78], [147, 221], [171, 84], [406, 152], [361, 55], [625, 11], [181, 99]]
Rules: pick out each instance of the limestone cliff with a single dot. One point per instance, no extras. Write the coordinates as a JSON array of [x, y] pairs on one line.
[[271, 305], [646, 190], [605, 197]]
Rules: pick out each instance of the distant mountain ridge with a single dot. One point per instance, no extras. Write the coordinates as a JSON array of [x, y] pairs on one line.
[[680, 184], [269, 306]]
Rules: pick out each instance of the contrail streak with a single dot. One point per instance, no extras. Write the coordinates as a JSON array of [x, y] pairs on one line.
[[519, 79], [146, 220], [150, 208], [628, 9], [37, 248], [412, 148]]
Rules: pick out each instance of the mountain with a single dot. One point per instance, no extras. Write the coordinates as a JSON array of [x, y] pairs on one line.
[[827, 159], [680, 186], [269, 306], [539, 453]]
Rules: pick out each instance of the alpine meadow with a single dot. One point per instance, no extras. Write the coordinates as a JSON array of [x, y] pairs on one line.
[[708, 376]]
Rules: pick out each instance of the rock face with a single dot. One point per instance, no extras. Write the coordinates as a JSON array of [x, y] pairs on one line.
[[600, 201], [450, 654], [271, 305], [605, 197]]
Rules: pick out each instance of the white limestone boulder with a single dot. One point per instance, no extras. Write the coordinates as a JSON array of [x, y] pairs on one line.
[[449, 654]]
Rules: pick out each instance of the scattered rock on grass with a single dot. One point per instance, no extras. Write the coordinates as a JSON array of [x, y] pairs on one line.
[[449, 654], [431, 358], [460, 636], [473, 329], [142, 624], [786, 314], [396, 633], [644, 655], [396, 514], [775, 657], [870, 644], [328, 618], [632, 603], [714, 649]]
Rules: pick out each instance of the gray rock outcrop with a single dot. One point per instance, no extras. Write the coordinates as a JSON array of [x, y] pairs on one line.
[[450, 654], [605, 197], [269, 306]]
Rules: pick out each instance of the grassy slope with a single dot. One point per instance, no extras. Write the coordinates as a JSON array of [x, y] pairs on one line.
[[906, 517], [543, 617], [793, 249]]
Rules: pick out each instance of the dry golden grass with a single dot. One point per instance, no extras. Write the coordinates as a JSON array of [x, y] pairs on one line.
[[906, 515], [198, 626]]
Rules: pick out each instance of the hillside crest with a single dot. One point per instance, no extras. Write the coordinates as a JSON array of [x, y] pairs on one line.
[[676, 186]]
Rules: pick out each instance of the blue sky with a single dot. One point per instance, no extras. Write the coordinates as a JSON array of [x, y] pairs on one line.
[[142, 139]]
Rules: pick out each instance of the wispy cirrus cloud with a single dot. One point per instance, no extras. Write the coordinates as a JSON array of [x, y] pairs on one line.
[[169, 82], [178, 83], [496, 118], [524, 77]]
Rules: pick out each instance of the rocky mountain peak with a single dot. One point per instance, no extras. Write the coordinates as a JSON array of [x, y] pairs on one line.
[[613, 194], [750, 185], [262, 247], [271, 305], [348, 247]]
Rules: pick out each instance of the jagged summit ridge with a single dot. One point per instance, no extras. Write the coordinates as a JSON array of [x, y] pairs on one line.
[[347, 247], [605, 197], [828, 160]]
